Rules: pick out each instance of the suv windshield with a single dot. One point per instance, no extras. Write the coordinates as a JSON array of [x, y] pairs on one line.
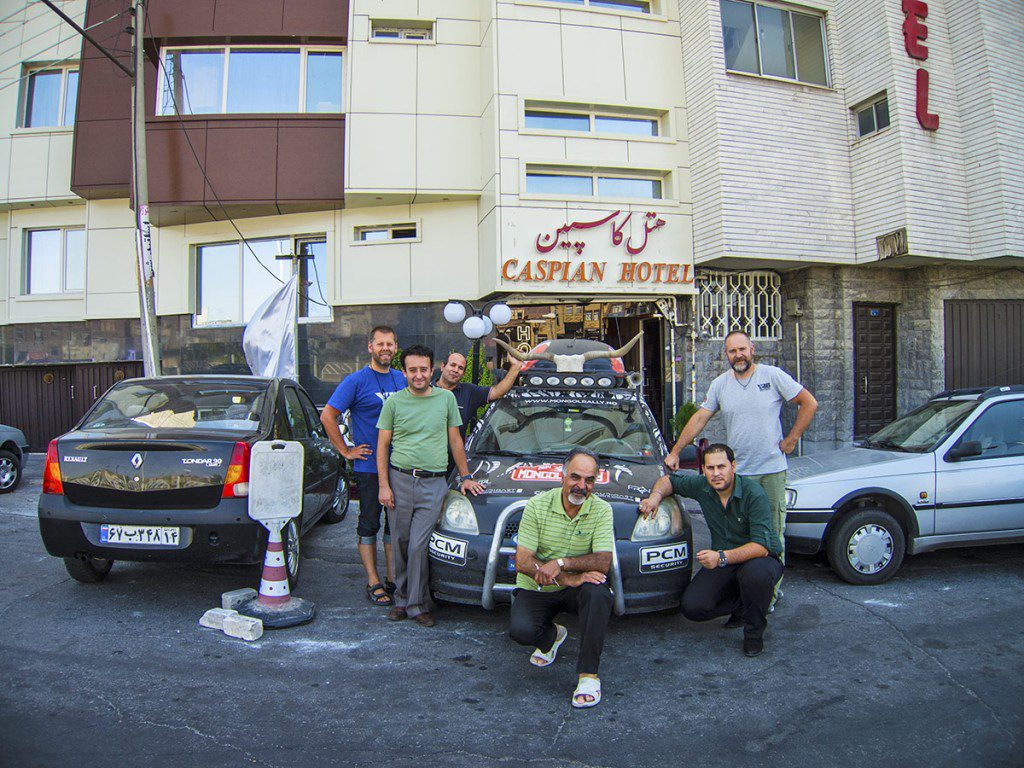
[[233, 407], [536, 428], [921, 430]]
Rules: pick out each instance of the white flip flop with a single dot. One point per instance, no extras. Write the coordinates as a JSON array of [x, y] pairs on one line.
[[540, 659], [588, 686]]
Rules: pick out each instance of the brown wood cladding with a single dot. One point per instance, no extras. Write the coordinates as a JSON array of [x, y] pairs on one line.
[[249, 159]]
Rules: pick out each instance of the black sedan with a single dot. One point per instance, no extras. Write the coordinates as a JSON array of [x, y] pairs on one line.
[[517, 451], [158, 470]]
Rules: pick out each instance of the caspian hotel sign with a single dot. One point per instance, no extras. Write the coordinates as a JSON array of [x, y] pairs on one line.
[[618, 251]]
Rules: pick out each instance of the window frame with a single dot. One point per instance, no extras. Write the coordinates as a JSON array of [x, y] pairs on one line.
[[303, 50], [595, 174], [872, 104], [29, 71], [790, 10], [390, 228], [296, 241], [426, 27], [594, 112], [653, 7], [26, 262], [719, 293]]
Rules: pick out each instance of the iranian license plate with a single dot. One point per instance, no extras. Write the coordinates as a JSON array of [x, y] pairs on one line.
[[140, 535]]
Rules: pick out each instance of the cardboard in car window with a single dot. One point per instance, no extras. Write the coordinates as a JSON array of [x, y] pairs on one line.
[[275, 480]]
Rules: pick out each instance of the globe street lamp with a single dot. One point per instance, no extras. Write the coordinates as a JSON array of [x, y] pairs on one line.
[[477, 323]]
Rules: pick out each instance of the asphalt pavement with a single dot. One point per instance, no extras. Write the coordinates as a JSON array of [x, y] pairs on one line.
[[923, 671]]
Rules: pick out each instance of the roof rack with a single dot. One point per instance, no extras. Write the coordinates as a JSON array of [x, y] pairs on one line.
[[1010, 389], [950, 393], [594, 380]]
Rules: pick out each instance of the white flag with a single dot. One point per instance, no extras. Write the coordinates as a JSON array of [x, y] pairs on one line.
[[269, 340]]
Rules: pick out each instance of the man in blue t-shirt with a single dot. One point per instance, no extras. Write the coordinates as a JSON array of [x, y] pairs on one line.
[[362, 394]]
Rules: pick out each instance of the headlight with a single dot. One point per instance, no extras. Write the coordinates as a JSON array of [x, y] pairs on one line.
[[459, 515], [667, 521], [790, 498]]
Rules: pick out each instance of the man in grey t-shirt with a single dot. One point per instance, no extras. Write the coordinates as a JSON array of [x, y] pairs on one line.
[[750, 397]]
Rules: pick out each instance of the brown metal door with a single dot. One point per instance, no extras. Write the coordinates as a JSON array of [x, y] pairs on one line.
[[37, 400], [874, 367], [984, 343], [91, 380]]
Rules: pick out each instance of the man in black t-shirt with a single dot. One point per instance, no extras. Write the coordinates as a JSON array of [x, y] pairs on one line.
[[470, 397]]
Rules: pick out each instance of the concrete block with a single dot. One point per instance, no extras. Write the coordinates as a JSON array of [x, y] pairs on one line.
[[231, 600], [243, 627], [215, 617]]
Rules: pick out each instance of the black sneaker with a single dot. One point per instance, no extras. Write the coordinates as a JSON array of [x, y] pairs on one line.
[[734, 622], [752, 646]]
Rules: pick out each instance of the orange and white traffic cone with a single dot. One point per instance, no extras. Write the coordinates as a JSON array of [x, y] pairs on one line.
[[274, 605]]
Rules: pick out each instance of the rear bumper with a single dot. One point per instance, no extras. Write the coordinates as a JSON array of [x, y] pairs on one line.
[[467, 582], [224, 534]]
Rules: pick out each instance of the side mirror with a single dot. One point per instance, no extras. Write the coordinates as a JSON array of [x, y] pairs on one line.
[[964, 450], [343, 428]]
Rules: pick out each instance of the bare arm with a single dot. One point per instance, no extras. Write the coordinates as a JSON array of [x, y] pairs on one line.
[[458, 450], [661, 489], [502, 388], [595, 561], [693, 428], [806, 408], [329, 418], [384, 495], [749, 551]]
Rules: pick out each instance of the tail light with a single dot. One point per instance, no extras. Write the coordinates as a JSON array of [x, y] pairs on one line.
[[236, 481], [51, 474]]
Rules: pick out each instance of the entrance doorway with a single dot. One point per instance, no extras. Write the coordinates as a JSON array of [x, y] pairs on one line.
[[613, 322], [984, 343], [874, 368]]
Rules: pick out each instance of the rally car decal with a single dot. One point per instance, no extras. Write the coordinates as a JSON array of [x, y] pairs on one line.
[[548, 473]]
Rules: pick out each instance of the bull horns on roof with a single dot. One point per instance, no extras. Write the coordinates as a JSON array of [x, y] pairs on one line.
[[570, 363]]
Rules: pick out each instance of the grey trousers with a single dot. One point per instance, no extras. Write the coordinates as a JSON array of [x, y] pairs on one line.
[[417, 507]]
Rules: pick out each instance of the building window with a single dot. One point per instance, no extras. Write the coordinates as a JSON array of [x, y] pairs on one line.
[[394, 29], [599, 184], [638, 6], [54, 261], [235, 278], [872, 117], [250, 80], [381, 233], [769, 40], [746, 301], [539, 116], [50, 97]]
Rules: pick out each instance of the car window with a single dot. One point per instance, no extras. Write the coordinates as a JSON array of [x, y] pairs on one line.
[[537, 428], [921, 430], [1000, 430], [312, 414], [294, 416]]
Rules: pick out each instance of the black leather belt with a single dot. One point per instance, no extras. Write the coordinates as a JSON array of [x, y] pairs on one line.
[[418, 472]]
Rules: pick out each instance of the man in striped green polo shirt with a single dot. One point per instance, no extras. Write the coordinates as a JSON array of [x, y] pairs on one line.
[[563, 553]]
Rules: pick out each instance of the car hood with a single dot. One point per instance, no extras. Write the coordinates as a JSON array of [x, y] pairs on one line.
[[854, 463]]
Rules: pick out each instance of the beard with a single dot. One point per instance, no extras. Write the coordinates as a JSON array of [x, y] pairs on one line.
[[741, 366], [576, 499]]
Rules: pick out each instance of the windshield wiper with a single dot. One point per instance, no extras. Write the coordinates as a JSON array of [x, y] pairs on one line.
[[630, 459], [497, 452], [887, 445]]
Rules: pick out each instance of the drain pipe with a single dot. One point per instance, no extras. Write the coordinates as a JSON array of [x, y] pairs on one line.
[[693, 348]]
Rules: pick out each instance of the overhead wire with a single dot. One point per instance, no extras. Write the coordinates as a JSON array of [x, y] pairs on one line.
[[206, 178]]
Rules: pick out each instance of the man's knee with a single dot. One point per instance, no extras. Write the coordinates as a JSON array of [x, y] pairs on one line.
[[524, 631], [697, 605], [596, 595], [758, 572]]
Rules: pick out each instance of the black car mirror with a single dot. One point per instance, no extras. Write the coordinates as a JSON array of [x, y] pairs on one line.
[[964, 450]]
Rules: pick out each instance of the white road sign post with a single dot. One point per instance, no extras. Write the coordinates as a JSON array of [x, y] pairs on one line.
[[275, 498]]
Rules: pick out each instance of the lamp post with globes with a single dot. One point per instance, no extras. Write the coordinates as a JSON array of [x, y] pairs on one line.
[[477, 324]]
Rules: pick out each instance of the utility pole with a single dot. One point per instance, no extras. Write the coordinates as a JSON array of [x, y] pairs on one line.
[[143, 238]]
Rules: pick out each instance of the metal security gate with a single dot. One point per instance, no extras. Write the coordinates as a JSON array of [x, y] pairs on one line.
[[984, 343], [44, 401]]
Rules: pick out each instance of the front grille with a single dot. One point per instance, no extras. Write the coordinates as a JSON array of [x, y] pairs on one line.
[[511, 529]]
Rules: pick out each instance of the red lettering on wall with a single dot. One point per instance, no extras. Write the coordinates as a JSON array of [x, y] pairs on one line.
[[914, 32], [929, 121]]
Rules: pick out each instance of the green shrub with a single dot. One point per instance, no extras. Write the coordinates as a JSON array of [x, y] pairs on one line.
[[686, 410]]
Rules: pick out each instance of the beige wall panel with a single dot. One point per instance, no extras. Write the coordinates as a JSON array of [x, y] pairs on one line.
[[359, 31], [41, 30], [509, 113], [386, 154], [449, 238], [383, 78], [592, 63], [679, 125], [659, 23], [509, 178], [653, 68], [487, 239], [448, 31], [530, 57], [485, 63], [110, 261], [387, 9], [488, 198], [375, 272], [5, 168], [107, 214], [591, 18], [532, 147], [29, 160], [58, 175], [656, 155], [488, 144], [172, 256], [452, 9], [600, 152], [447, 80], [526, 12], [34, 310], [11, 93], [99, 305], [35, 218], [447, 153]]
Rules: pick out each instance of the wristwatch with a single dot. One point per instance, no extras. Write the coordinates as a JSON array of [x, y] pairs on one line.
[[463, 478], [722, 562], [561, 562]]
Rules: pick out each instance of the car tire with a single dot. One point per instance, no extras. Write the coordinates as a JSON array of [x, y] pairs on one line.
[[339, 502], [867, 547], [10, 472], [292, 552], [89, 571]]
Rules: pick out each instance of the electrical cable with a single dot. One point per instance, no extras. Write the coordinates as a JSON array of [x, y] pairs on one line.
[[202, 170]]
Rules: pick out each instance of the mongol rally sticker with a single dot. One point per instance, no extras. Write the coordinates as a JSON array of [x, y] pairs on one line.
[[550, 473]]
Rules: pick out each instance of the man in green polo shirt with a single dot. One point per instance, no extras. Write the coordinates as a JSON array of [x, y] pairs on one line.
[[563, 553], [739, 574]]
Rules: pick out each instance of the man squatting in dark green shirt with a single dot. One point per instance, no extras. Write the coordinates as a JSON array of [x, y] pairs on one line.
[[739, 574]]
